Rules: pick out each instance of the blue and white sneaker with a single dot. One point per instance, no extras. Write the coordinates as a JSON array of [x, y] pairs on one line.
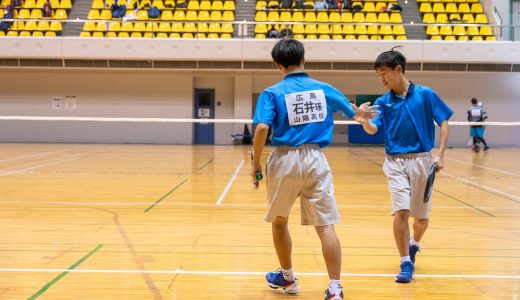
[[413, 251], [333, 296], [275, 280], [406, 274]]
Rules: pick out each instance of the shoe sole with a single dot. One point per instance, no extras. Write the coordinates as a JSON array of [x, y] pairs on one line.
[[291, 292], [403, 280]]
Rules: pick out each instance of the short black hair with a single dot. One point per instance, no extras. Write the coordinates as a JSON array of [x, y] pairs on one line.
[[390, 59], [288, 52], [473, 101]]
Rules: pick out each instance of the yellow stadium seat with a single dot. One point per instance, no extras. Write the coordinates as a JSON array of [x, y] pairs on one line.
[[152, 27], [445, 30], [459, 30], [350, 37], [385, 29], [298, 16], [451, 8], [217, 5], [473, 30], [450, 38], [372, 29], [398, 30], [311, 37], [229, 5], [454, 18], [432, 30], [322, 17], [337, 37], [369, 7], [491, 38], [89, 26], [24, 14], [298, 28], [213, 36], [464, 8], [261, 28], [167, 15], [359, 17], [428, 18], [202, 27], [111, 35], [311, 28], [169, 3], [388, 37], [65, 4], [323, 29], [215, 15], [123, 35], [29, 4], [193, 5], [142, 15], [1, 16], [362, 37], [226, 28], [346, 17], [324, 37], [101, 26], [477, 38], [371, 17], [12, 33], [93, 14], [60, 14], [285, 16], [214, 28], [396, 18], [190, 27], [19, 25], [348, 29], [50, 33], [447, 1], [191, 15], [486, 30], [310, 16], [380, 6], [334, 17], [273, 16], [200, 35], [360, 29], [144, 3], [438, 8], [162, 35], [481, 19], [140, 26], [159, 4], [260, 5], [56, 26], [148, 35], [55, 3], [205, 5], [476, 8], [84, 34], [98, 35], [228, 16], [261, 16], [128, 26], [43, 26], [259, 36], [203, 15], [36, 14], [468, 18], [436, 38], [375, 37], [383, 18], [425, 7], [166, 27], [179, 15], [31, 25], [175, 27], [337, 29], [463, 38], [441, 18], [401, 38], [37, 33], [106, 14], [114, 26]]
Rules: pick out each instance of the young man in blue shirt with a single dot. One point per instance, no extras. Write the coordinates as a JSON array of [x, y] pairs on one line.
[[299, 110], [407, 114]]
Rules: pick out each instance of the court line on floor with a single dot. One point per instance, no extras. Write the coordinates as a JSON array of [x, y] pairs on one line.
[[484, 167], [230, 183], [310, 274], [465, 203], [65, 272], [32, 155], [166, 195], [11, 172]]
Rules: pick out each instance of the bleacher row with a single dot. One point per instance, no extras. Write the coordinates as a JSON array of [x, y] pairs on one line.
[[31, 9], [157, 30], [455, 12]]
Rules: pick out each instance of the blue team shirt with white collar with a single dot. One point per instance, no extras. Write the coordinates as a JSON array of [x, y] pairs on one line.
[[408, 122], [299, 109]]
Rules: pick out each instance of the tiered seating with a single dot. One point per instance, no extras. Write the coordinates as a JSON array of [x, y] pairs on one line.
[[334, 24], [194, 19], [450, 12], [33, 9]]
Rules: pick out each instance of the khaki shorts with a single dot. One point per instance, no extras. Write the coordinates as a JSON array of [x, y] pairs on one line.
[[303, 172], [407, 175]]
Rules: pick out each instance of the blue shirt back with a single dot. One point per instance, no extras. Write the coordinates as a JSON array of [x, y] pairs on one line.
[[408, 122], [296, 92]]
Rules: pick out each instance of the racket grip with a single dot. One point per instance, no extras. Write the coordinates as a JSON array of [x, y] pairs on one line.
[[259, 176]]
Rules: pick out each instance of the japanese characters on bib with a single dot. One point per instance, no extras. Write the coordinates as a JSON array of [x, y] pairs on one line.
[[306, 107]]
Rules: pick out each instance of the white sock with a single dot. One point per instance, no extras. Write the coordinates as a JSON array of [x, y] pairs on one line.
[[334, 287], [413, 242], [288, 274], [405, 258]]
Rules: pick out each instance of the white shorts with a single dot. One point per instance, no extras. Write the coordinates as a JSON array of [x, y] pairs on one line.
[[305, 172], [407, 175]]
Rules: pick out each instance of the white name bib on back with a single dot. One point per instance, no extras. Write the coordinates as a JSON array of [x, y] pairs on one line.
[[306, 107]]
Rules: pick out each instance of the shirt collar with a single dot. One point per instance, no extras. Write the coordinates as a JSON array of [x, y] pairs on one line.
[[296, 74], [410, 90]]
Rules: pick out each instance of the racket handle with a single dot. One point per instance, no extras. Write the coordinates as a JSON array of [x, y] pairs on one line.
[[259, 176]]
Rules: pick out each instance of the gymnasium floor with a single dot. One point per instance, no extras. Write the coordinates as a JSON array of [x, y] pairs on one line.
[[183, 222]]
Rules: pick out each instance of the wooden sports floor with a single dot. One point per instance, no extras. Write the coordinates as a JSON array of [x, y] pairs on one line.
[[183, 222]]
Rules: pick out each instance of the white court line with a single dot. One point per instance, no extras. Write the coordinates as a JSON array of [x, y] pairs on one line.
[[484, 167], [30, 202], [6, 173], [187, 272], [32, 155], [484, 187], [224, 193]]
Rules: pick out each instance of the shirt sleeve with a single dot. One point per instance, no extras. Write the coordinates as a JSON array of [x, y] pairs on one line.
[[265, 109], [441, 111], [338, 102], [378, 120]]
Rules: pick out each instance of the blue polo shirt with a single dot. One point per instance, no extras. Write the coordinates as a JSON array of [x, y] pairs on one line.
[[408, 122], [299, 110]]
